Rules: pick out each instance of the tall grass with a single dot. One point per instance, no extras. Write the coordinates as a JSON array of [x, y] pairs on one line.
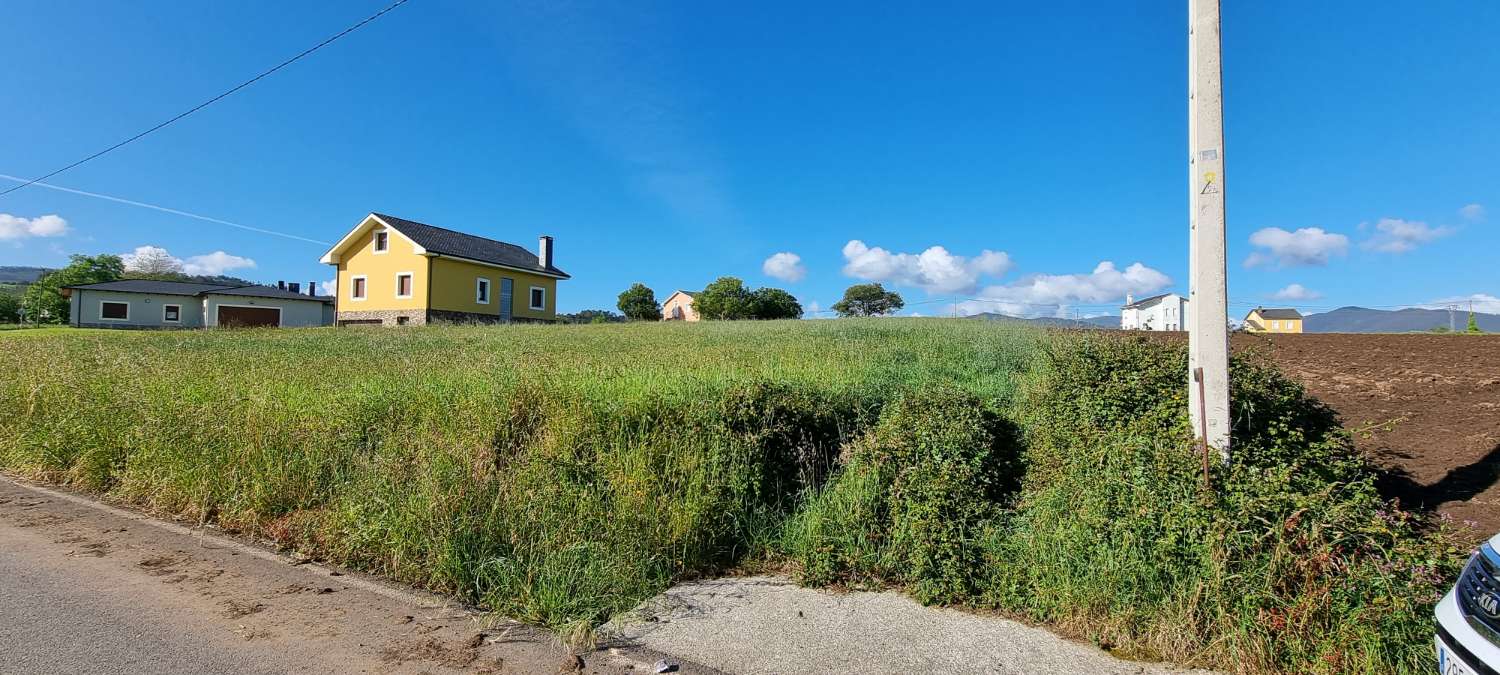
[[557, 474], [562, 474]]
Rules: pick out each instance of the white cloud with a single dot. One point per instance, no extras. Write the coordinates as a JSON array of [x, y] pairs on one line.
[[1394, 235], [934, 270], [17, 227], [1483, 303], [330, 287], [1052, 294], [1306, 246], [157, 259], [1296, 292], [1472, 213], [216, 263], [784, 266]]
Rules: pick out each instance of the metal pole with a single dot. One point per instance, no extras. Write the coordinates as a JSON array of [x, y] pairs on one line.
[[1208, 329]]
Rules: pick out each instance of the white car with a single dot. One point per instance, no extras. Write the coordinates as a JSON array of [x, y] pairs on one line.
[[1468, 618]]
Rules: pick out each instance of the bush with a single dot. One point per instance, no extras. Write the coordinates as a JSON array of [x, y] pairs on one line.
[[1292, 563], [912, 498]]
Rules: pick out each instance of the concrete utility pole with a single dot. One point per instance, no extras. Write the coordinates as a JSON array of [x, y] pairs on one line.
[[1208, 327]]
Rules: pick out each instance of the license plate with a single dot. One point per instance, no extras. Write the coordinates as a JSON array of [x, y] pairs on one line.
[[1448, 665]]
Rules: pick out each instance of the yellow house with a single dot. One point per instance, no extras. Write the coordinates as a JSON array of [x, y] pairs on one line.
[[1262, 320], [393, 271]]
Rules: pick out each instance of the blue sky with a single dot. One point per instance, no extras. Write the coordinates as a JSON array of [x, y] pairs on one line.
[[1039, 146]]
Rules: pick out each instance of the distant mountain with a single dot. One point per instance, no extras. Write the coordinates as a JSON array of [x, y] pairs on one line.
[[1094, 323], [21, 275], [1364, 320]]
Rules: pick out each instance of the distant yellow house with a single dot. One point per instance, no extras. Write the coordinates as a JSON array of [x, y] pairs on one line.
[[1262, 320], [393, 271]]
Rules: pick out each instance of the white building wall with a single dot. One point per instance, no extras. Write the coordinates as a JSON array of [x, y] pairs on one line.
[[145, 310], [1169, 313]]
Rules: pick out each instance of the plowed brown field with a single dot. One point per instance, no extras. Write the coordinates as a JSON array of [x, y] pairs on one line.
[[1427, 407]]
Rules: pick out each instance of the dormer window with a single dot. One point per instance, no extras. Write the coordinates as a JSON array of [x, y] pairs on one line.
[[382, 241]]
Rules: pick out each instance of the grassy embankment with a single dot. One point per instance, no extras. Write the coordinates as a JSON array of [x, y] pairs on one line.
[[561, 474]]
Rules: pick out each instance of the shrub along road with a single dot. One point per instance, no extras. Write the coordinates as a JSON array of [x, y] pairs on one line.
[[89, 588]]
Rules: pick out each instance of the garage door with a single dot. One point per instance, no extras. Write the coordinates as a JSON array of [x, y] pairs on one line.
[[249, 317]]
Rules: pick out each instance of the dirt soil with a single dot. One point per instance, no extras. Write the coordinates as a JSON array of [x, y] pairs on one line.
[[1425, 407]]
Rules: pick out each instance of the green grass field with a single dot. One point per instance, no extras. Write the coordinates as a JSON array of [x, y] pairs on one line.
[[561, 474]]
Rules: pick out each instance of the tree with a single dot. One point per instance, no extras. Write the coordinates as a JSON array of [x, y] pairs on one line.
[[726, 298], [10, 308], [638, 303], [153, 262], [1473, 326], [44, 302], [774, 303], [591, 316], [868, 300]]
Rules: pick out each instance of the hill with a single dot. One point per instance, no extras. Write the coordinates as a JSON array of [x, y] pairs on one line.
[[1365, 320], [21, 275]]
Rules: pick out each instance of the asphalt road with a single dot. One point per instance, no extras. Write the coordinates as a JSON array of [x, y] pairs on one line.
[[86, 588]]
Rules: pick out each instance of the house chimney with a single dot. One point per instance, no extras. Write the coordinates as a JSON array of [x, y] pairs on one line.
[[1129, 299], [312, 288], [281, 285], [294, 287], [544, 252]]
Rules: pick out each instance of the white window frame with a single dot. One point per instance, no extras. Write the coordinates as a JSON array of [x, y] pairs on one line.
[[489, 290], [530, 295], [353, 286], [102, 303], [375, 241], [280, 314], [411, 287], [164, 318]]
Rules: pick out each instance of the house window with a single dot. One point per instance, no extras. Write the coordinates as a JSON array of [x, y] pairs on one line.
[[482, 291], [538, 297], [357, 288], [1275, 325], [382, 241], [114, 311], [403, 285], [171, 313]]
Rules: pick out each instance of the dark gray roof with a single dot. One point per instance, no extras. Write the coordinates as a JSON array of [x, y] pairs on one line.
[[1144, 301], [188, 288], [269, 292], [1276, 313], [443, 241], [691, 294], [153, 286]]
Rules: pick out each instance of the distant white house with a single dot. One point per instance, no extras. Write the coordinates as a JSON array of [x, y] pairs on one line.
[[1168, 311]]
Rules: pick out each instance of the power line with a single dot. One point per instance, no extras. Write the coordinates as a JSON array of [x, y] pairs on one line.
[[213, 100], [163, 209]]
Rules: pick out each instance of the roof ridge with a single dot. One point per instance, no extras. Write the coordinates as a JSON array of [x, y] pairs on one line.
[[384, 216]]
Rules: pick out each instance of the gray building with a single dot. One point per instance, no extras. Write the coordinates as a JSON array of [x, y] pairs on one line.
[[150, 304]]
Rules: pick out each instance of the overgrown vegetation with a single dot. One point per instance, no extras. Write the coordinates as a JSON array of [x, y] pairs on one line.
[[562, 474]]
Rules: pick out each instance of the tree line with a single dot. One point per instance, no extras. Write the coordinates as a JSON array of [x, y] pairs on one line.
[[729, 299]]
